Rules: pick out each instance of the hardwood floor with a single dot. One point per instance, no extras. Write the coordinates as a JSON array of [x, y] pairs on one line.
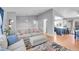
[[66, 41]]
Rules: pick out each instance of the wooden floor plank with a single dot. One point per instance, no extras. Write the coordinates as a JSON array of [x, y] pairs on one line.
[[66, 41]]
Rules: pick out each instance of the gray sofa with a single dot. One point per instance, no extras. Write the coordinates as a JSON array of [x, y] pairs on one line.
[[18, 46]]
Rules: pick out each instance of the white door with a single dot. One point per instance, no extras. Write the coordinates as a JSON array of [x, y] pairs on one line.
[[44, 25]]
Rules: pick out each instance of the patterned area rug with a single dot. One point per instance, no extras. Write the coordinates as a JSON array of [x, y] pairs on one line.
[[58, 47], [49, 46]]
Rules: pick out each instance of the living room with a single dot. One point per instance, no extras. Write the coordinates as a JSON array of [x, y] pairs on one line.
[[39, 29], [20, 24]]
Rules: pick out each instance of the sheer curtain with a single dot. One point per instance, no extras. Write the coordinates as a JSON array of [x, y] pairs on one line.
[[0, 25], [1, 20]]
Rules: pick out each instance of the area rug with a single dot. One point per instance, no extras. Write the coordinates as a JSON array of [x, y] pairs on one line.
[[57, 47], [49, 46]]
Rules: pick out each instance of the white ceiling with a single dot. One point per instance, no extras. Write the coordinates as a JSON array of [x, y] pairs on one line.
[[26, 11], [67, 11]]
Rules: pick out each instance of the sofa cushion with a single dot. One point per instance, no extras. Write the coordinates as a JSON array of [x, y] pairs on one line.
[[36, 40], [36, 33]]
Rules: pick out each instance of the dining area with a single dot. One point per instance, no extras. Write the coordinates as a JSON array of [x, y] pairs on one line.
[[61, 30]]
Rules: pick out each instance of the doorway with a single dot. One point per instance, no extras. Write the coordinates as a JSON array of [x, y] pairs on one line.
[[44, 25]]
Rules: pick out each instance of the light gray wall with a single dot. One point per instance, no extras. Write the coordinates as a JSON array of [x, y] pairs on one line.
[[23, 19], [25, 22], [55, 13], [5, 20], [50, 23]]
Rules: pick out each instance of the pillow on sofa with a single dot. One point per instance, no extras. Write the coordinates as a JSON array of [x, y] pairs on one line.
[[11, 39]]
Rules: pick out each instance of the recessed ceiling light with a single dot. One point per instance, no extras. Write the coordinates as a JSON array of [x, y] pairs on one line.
[[57, 17], [77, 15]]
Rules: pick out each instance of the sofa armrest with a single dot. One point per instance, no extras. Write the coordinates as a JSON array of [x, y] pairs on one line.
[[18, 45]]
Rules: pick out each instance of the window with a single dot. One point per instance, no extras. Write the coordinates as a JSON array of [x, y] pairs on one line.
[[35, 23]]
